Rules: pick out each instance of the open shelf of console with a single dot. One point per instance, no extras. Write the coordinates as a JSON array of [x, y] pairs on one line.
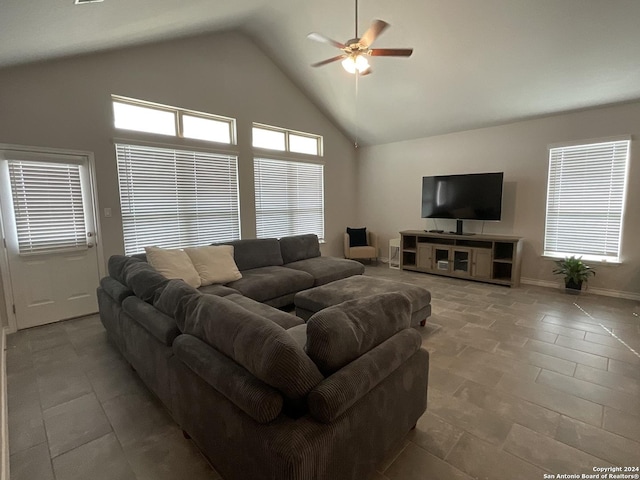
[[486, 258]]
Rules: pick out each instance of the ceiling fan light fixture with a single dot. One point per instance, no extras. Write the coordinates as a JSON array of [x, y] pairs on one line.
[[355, 63]]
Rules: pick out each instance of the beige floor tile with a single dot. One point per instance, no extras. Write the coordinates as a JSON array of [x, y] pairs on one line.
[[553, 399], [622, 424], [597, 442], [414, 463], [590, 391], [435, 435], [484, 461], [517, 410]]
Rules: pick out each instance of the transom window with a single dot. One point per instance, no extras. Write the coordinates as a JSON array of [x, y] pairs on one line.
[[283, 140], [585, 200], [141, 116]]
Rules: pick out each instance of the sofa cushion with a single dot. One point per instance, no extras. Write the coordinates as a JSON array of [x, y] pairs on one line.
[[115, 289], [256, 253], [173, 298], [256, 343], [299, 247], [261, 402], [173, 263], [214, 264], [219, 290], [161, 326], [285, 320], [338, 335], [299, 334], [144, 280], [117, 264], [265, 283], [327, 269], [357, 237]]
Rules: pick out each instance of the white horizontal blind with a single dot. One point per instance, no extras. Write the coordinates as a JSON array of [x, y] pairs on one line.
[[175, 199], [48, 206], [585, 200], [289, 198]]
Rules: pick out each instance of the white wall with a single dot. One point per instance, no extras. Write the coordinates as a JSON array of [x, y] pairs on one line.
[[390, 182], [67, 104]]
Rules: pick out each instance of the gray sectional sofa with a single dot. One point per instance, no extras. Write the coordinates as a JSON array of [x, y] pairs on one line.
[[263, 394]]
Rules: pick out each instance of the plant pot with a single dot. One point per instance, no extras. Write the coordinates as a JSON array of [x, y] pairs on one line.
[[572, 287]]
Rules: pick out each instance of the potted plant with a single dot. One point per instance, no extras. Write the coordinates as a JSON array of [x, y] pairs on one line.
[[575, 272]]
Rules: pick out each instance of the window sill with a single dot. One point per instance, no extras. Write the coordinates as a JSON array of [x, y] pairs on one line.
[[597, 262]]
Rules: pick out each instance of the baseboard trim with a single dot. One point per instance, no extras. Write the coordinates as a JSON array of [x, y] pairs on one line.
[[540, 283], [596, 291], [615, 293], [4, 455]]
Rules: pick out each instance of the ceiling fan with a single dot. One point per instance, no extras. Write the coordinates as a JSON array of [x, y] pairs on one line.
[[356, 50]]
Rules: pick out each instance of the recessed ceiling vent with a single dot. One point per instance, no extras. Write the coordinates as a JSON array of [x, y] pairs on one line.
[[82, 2]]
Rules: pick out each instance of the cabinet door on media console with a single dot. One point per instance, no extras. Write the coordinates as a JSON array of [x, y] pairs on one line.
[[481, 264], [425, 260], [460, 261], [451, 260]]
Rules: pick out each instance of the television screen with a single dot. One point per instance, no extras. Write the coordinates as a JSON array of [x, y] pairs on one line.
[[475, 196]]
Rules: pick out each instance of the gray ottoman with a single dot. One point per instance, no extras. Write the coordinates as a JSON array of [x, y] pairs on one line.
[[315, 299]]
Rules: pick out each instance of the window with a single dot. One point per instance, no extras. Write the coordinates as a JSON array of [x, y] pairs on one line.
[[274, 138], [585, 200], [144, 119], [303, 144], [176, 198], [289, 198], [271, 139], [131, 114], [205, 129], [48, 206]]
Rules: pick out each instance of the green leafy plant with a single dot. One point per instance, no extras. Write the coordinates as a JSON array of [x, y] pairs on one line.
[[575, 271]]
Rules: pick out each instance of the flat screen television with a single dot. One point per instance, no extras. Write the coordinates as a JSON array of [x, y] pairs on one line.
[[474, 196]]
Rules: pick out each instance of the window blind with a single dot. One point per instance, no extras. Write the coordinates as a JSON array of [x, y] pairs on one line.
[[175, 199], [585, 200], [289, 198], [48, 206]]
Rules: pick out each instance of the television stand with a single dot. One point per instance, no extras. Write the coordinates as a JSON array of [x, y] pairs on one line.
[[484, 258]]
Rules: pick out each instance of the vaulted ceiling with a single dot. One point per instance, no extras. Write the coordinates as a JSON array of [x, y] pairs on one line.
[[475, 63]]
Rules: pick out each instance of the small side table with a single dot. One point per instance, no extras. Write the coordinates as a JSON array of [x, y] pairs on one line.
[[394, 253]]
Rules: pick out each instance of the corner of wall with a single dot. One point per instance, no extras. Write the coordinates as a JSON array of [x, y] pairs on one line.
[[4, 432]]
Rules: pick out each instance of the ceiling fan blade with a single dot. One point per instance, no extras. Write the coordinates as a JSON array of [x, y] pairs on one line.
[[391, 52], [328, 60], [376, 28], [366, 72], [318, 37]]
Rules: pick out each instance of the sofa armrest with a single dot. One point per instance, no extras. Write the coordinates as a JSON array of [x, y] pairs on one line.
[[115, 289], [346, 246], [337, 393], [258, 400]]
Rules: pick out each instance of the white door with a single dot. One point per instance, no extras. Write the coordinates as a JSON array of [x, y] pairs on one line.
[[49, 229]]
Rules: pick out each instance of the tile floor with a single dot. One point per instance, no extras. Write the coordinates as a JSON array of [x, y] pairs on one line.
[[523, 382]]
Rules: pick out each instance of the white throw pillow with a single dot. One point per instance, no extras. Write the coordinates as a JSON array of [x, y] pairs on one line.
[[214, 264], [173, 263]]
